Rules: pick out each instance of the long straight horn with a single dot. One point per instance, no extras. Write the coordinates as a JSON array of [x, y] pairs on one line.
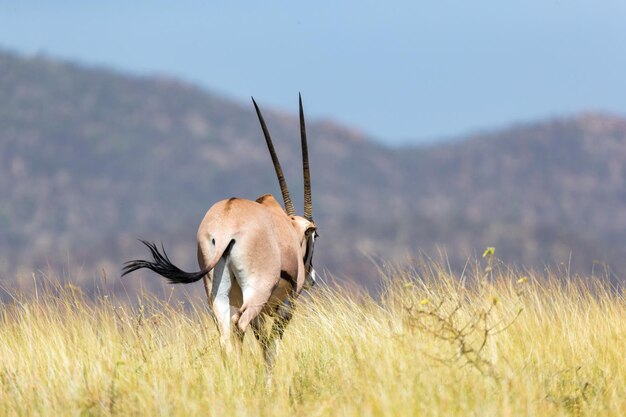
[[308, 202], [279, 172]]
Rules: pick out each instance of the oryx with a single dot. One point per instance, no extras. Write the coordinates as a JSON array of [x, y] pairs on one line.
[[255, 258]]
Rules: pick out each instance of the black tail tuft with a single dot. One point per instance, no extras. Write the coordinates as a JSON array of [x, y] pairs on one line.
[[162, 266]]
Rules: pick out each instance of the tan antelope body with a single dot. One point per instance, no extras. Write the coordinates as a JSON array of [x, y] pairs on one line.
[[255, 258]]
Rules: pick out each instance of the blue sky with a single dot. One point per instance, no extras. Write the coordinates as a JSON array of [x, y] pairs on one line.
[[398, 70]]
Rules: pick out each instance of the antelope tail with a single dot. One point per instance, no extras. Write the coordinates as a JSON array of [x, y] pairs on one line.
[[162, 265]]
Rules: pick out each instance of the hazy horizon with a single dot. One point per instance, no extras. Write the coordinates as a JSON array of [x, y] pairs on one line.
[[402, 72]]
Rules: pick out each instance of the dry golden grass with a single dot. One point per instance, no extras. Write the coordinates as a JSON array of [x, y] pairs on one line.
[[494, 344]]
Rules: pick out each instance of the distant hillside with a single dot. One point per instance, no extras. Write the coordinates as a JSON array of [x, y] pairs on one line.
[[91, 159]]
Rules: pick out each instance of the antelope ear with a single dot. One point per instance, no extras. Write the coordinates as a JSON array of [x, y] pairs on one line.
[[302, 225], [309, 231]]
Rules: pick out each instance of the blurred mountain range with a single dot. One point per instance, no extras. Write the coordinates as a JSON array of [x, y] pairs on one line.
[[90, 159]]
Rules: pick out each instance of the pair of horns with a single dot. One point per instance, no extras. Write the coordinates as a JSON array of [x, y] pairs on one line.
[[308, 203]]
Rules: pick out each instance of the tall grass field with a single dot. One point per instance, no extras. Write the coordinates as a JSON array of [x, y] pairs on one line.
[[486, 343]]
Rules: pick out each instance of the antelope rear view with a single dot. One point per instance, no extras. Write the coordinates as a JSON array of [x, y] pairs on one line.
[[255, 257]]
